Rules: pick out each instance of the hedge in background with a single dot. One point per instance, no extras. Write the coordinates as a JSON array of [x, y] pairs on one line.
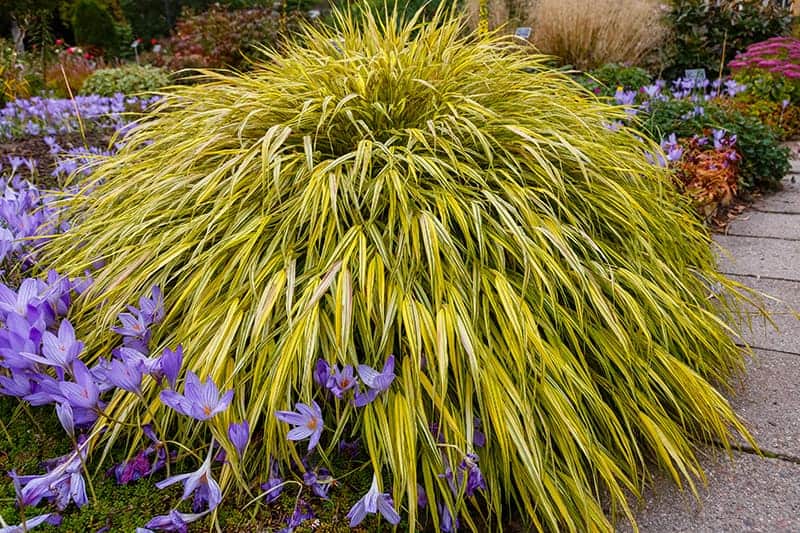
[[130, 79], [708, 34], [404, 189]]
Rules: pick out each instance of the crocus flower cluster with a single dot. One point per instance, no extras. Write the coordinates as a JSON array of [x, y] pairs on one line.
[[338, 381], [693, 90], [696, 90], [52, 116], [145, 463], [40, 353], [307, 419], [63, 483], [25, 216], [40, 362]]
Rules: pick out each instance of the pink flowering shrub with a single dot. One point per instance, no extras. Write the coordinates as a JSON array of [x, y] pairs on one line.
[[770, 69]]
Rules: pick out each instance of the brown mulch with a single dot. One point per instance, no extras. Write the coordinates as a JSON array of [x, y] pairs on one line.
[[36, 148], [718, 223]]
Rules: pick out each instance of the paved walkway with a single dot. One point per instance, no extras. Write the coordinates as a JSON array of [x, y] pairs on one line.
[[748, 493]]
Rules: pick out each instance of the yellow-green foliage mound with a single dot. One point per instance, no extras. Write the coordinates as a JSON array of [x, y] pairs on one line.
[[408, 190]]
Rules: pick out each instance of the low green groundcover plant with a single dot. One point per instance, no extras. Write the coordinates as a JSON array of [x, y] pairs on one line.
[[130, 79], [610, 78], [428, 242]]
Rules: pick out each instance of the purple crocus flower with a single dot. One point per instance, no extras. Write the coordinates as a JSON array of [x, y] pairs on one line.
[[83, 392], [300, 514], [62, 484], [200, 401], [152, 309], [141, 465], [422, 497], [307, 421], [61, 350], [319, 481], [673, 149], [376, 382], [135, 468], [170, 363], [349, 449], [341, 381], [49, 518], [65, 416], [371, 503], [199, 482], [125, 375], [239, 435], [174, 521], [18, 302], [718, 137], [447, 524], [135, 328], [625, 97], [474, 478], [321, 372], [674, 153], [652, 90], [274, 485], [478, 437]]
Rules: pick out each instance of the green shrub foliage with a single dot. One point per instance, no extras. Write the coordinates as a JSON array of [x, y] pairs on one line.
[[764, 160], [94, 25], [130, 79], [607, 79], [703, 29], [443, 197]]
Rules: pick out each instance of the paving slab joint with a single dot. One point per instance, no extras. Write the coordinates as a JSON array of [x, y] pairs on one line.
[[766, 454]]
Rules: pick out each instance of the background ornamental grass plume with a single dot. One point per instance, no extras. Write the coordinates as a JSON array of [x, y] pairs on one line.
[[398, 188]]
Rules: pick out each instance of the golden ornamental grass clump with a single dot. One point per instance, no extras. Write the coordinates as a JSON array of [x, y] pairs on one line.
[[395, 188]]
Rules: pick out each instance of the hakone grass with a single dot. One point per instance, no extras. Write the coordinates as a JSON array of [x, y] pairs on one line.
[[392, 187]]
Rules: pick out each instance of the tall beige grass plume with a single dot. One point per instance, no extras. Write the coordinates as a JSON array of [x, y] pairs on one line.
[[589, 33]]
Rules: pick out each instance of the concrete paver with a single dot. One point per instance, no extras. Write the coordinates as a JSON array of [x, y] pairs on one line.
[[761, 224], [756, 256], [768, 400], [784, 201], [762, 334], [746, 494]]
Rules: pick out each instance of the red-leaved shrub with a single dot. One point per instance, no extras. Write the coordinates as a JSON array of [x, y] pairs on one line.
[[221, 37]]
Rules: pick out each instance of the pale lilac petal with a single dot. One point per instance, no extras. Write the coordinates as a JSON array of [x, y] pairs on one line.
[[300, 433], [290, 417], [172, 480], [387, 510]]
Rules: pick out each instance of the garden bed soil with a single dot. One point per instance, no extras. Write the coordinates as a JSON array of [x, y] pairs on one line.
[[35, 148]]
